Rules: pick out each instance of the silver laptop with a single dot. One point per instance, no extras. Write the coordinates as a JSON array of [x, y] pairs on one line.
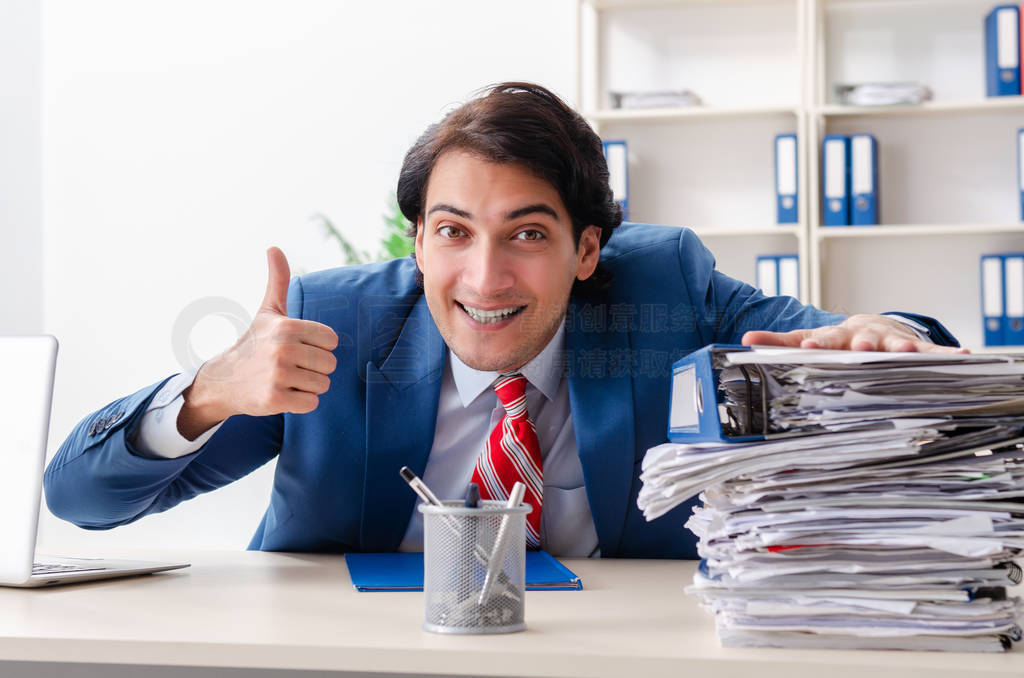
[[27, 365]]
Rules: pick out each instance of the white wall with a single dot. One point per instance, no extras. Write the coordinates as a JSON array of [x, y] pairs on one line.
[[21, 242], [180, 139]]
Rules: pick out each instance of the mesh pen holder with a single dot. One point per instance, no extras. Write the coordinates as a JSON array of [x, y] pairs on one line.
[[463, 592]]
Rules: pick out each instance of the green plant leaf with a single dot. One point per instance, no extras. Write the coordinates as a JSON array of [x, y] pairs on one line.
[[351, 254], [394, 242]]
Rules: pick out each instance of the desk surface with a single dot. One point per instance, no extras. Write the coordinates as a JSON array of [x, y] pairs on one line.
[[296, 611]]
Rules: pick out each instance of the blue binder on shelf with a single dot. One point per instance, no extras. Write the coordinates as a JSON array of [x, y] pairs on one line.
[[1020, 169], [617, 157], [835, 166], [786, 178], [1013, 297], [694, 412], [1002, 51], [863, 180], [993, 309], [779, 275]]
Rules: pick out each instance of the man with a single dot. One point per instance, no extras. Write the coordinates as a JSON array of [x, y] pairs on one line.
[[349, 374]]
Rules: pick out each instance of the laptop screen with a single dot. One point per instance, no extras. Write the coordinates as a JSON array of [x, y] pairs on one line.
[[26, 387]]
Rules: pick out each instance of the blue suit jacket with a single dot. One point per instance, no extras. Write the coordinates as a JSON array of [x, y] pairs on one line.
[[337, 487]]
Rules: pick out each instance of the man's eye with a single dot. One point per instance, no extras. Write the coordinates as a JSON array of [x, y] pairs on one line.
[[449, 231], [530, 234]]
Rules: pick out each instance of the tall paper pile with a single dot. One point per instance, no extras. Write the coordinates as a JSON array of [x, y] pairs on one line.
[[890, 521]]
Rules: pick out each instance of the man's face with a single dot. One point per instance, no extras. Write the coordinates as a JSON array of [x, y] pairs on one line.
[[496, 250]]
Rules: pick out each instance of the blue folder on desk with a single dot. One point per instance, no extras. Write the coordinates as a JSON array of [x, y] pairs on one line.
[[404, 572]]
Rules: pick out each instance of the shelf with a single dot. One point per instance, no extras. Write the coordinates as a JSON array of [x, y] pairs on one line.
[[644, 114], [993, 104], [872, 5], [769, 69], [913, 230], [643, 4], [733, 231]]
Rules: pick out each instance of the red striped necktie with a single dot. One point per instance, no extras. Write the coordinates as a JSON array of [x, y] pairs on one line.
[[512, 455]]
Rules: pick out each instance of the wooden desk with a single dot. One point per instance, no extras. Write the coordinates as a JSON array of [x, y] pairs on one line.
[[299, 612]]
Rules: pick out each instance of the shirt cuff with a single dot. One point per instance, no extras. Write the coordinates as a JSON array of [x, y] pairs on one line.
[[919, 329], [157, 436]]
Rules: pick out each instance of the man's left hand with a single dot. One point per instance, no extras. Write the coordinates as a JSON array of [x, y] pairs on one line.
[[862, 332]]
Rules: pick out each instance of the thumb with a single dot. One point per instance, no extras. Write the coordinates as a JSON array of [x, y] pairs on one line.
[[276, 297]]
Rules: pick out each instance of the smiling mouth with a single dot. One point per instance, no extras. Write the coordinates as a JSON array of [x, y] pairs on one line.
[[487, 317]]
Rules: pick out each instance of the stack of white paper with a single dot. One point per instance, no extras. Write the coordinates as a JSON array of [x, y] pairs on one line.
[[882, 93], [654, 99], [891, 522]]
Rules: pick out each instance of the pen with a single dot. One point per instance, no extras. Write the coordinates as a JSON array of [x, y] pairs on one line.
[[473, 496], [428, 497], [500, 544], [419, 487]]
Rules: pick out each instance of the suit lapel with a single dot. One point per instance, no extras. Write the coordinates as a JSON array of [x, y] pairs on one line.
[[401, 412], [601, 399]]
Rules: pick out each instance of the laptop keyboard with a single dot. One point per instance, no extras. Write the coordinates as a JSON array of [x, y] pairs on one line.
[[58, 568]]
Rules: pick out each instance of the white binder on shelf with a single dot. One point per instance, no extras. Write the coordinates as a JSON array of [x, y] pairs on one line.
[[779, 275], [617, 157], [768, 275], [863, 180], [789, 276], [785, 179]]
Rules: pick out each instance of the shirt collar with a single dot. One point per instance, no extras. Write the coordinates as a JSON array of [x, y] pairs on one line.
[[544, 371]]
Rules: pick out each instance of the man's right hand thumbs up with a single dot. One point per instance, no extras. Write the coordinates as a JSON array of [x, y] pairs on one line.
[[280, 364], [278, 275]]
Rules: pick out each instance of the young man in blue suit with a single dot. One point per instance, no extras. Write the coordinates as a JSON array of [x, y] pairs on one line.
[[349, 374]]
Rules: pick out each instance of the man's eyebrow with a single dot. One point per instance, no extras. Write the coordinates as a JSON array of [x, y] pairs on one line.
[[448, 208], [540, 208]]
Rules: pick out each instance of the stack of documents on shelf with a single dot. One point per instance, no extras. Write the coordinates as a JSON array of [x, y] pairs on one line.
[[882, 505], [654, 99], [882, 93]]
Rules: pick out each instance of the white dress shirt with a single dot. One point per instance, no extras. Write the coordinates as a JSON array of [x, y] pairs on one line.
[[467, 411]]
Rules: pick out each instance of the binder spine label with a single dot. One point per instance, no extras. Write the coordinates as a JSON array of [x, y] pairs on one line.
[[1007, 28], [767, 276]]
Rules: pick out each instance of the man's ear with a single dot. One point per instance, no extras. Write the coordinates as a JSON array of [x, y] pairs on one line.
[[418, 242], [588, 252]]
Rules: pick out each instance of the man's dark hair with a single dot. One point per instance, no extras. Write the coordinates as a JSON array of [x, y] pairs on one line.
[[522, 124]]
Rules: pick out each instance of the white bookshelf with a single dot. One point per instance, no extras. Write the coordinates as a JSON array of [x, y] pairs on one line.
[[947, 168]]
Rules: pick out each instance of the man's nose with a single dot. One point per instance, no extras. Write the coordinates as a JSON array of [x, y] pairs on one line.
[[487, 270]]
